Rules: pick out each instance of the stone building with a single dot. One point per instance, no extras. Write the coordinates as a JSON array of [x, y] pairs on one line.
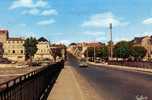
[[3, 35], [145, 42], [43, 51], [13, 47]]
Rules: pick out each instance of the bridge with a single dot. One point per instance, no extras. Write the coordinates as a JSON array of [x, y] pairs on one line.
[[34, 85]]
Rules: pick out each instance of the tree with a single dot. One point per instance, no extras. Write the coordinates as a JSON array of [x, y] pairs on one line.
[[121, 49], [30, 48], [138, 52], [103, 52]]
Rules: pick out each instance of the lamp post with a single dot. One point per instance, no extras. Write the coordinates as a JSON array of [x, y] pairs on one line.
[[111, 43], [94, 52]]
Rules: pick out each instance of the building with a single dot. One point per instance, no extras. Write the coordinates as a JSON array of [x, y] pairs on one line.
[[43, 51], [3, 35], [59, 51], [145, 42], [13, 48]]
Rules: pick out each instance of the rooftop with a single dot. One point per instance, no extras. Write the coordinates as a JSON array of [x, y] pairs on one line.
[[15, 39], [42, 39]]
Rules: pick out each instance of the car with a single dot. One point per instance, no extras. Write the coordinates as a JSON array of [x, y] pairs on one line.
[[83, 63]]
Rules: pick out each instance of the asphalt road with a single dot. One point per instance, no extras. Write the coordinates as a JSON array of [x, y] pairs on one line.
[[113, 84]]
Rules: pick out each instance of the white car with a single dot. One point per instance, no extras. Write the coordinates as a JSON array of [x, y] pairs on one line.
[[83, 63]]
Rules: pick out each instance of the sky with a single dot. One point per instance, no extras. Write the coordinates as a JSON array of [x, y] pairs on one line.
[[66, 21]]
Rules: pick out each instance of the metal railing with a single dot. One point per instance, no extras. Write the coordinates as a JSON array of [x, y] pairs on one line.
[[35, 85]]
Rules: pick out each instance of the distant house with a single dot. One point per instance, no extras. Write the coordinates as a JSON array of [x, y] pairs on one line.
[[145, 42], [43, 51]]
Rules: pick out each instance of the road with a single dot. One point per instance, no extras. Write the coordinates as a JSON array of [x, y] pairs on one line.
[[114, 84]]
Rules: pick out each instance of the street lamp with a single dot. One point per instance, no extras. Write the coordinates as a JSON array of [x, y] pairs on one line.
[[94, 52], [111, 43]]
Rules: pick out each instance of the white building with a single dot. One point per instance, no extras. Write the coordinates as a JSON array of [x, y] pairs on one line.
[[43, 51]]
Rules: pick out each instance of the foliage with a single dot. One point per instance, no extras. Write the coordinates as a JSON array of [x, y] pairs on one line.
[[138, 52], [30, 47], [121, 49], [103, 52]]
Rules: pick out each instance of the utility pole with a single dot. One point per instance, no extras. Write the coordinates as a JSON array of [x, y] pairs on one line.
[[111, 43], [94, 52]]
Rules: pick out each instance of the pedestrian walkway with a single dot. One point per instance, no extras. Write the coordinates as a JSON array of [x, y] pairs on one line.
[[66, 87], [149, 71]]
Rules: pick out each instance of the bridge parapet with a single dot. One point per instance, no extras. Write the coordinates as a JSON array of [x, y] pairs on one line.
[[34, 85]]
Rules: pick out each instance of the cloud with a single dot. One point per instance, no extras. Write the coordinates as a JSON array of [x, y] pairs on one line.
[[122, 39], [28, 4], [46, 22], [143, 34], [103, 20], [147, 21], [33, 11], [49, 12], [66, 42], [93, 33]]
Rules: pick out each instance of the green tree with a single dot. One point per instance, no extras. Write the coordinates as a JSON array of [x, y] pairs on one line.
[[30, 48], [103, 52], [122, 49], [138, 52]]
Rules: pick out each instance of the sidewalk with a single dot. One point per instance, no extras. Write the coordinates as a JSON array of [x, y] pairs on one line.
[[66, 87], [123, 67]]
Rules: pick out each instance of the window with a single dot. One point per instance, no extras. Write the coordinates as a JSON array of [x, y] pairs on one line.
[[13, 51], [19, 57], [21, 51]]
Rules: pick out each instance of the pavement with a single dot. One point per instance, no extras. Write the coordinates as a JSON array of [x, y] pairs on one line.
[[66, 87], [148, 71]]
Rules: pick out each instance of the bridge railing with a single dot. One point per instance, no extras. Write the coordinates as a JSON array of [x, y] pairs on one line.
[[33, 86]]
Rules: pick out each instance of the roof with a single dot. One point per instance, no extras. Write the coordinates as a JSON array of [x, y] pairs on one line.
[[137, 40], [15, 39], [3, 31], [42, 39], [94, 44]]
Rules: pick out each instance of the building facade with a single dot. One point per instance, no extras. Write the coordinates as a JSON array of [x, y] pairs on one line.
[[145, 42], [43, 51], [13, 47], [3, 35]]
